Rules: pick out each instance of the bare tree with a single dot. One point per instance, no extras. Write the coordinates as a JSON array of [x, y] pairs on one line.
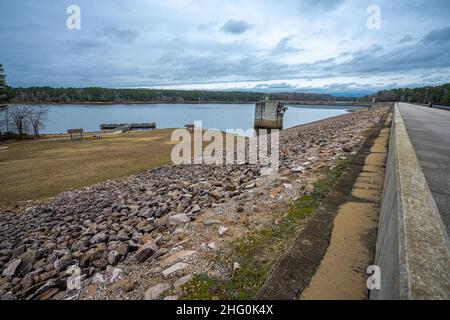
[[38, 118], [20, 118]]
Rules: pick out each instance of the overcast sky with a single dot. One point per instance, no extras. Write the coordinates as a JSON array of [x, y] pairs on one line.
[[264, 45]]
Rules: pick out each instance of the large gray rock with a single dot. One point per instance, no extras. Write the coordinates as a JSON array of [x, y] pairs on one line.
[[86, 259], [31, 256], [99, 237], [146, 251], [178, 219], [122, 249], [182, 281], [50, 284], [176, 267], [62, 264], [8, 296], [155, 292], [113, 257], [101, 263], [12, 268], [28, 281]]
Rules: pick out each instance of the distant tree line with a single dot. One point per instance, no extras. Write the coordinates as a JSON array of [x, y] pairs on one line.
[[437, 95], [101, 95]]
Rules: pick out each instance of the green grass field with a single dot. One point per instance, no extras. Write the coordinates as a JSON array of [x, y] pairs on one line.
[[37, 170]]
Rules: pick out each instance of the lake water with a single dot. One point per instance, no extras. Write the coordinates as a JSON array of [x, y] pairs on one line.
[[213, 116]]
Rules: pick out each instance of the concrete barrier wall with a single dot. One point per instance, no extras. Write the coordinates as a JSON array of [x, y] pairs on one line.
[[413, 250]]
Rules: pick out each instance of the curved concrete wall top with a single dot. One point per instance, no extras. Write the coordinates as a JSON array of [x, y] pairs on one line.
[[413, 250]]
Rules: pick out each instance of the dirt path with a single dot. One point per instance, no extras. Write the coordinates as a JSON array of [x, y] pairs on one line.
[[342, 272]]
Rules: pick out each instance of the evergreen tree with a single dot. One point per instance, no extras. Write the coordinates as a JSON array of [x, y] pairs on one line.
[[6, 92], [2, 83]]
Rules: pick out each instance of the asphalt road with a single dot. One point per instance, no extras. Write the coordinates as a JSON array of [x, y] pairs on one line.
[[429, 132]]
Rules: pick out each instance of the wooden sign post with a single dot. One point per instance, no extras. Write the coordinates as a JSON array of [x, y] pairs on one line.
[[75, 131]]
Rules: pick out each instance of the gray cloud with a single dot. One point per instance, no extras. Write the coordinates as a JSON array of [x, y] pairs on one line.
[[436, 36], [432, 52], [236, 27], [279, 87], [285, 45], [88, 44], [376, 60], [405, 39], [319, 5], [346, 89], [149, 43], [114, 33]]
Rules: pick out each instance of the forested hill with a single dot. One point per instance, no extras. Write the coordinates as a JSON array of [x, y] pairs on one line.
[[99, 95], [438, 95]]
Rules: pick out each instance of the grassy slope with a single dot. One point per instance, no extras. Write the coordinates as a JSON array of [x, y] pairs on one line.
[[38, 170]]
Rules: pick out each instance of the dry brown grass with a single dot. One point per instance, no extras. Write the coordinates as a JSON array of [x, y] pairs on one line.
[[39, 170]]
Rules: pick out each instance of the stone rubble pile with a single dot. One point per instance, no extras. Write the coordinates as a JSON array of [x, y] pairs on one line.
[[96, 228]]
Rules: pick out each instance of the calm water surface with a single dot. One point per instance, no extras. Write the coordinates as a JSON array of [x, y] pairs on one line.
[[213, 116]]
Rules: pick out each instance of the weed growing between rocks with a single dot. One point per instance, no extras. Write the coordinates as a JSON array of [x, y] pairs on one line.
[[257, 253]]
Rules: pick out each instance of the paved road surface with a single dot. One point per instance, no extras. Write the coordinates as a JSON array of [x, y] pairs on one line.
[[429, 131]]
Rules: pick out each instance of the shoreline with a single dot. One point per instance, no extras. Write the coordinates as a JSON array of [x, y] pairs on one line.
[[61, 135], [133, 102], [44, 135], [300, 103]]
